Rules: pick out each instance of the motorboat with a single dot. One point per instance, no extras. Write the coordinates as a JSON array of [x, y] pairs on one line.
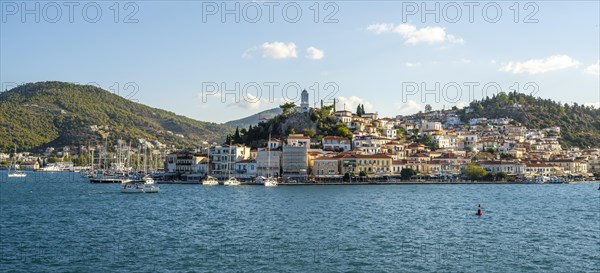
[[17, 174], [271, 182], [210, 181], [557, 180], [146, 185], [232, 181], [537, 180]]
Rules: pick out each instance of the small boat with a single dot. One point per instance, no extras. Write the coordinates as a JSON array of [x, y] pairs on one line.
[[556, 180], [271, 182], [146, 185], [537, 180], [17, 174], [210, 181], [232, 181]]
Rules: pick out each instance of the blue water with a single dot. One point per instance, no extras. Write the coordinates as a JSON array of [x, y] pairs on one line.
[[59, 222]]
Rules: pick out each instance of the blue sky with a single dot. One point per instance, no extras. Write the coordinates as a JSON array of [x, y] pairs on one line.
[[375, 53]]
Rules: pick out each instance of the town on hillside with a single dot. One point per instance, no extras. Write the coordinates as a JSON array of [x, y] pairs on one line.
[[430, 146]]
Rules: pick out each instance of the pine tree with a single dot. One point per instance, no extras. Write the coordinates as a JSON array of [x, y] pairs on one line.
[[237, 138]]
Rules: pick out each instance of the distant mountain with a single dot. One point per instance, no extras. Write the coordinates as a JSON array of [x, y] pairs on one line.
[[579, 124], [37, 115], [253, 119]]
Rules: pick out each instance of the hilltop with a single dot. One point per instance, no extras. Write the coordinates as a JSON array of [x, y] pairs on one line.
[[254, 119], [579, 124], [43, 114]]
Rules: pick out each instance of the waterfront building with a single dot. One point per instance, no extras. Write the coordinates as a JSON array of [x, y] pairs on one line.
[[295, 155]]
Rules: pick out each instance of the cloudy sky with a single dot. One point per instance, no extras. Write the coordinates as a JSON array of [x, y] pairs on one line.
[[216, 61]]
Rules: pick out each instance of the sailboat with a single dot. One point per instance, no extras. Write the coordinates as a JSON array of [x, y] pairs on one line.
[[210, 180], [16, 174], [231, 181], [145, 185], [270, 181]]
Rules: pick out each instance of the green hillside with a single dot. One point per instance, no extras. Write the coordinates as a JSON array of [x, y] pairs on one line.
[[37, 115], [253, 119], [580, 125]]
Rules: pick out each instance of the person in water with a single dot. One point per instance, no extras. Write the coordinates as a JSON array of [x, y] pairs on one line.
[[479, 211]]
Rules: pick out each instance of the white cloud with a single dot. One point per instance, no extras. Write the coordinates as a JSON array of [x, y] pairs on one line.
[[537, 66], [461, 104], [455, 40], [593, 69], [352, 102], [249, 53], [247, 101], [279, 50], [314, 53], [380, 28], [407, 64], [274, 50], [593, 104], [409, 107], [414, 35]]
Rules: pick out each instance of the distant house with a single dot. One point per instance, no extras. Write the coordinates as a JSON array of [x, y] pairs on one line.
[[246, 168], [185, 162], [30, 165], [335, 143]]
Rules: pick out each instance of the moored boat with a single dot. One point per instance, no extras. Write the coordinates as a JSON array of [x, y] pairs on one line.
[[210, 181], [146, 185]]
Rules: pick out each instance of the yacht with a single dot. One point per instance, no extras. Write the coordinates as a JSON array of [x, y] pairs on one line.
[[232, 181], [557, 180], [537, 180], [16, 173], [210, 181], [270, 181], [146, 185]]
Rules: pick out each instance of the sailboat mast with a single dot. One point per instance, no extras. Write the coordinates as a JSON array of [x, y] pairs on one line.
[[269, 161], [208, 161]]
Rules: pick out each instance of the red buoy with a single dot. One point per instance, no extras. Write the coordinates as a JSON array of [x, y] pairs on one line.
[[479, 211]]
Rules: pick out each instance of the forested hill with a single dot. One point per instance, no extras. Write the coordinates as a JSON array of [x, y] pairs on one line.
[[37, 115], [580, 125]]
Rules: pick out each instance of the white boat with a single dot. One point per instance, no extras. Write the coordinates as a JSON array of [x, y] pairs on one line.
[[16, 173], [557, 180], [271, 182], [146, 185], [210, 181], [537, 180], [232, 181]]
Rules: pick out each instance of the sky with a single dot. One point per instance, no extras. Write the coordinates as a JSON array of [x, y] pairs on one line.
[[220, 61]]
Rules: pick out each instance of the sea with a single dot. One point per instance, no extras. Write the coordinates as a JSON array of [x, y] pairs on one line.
[[59, 222]]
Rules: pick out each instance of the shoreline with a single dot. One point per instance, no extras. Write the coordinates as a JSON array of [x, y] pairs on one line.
[[381, 183]]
